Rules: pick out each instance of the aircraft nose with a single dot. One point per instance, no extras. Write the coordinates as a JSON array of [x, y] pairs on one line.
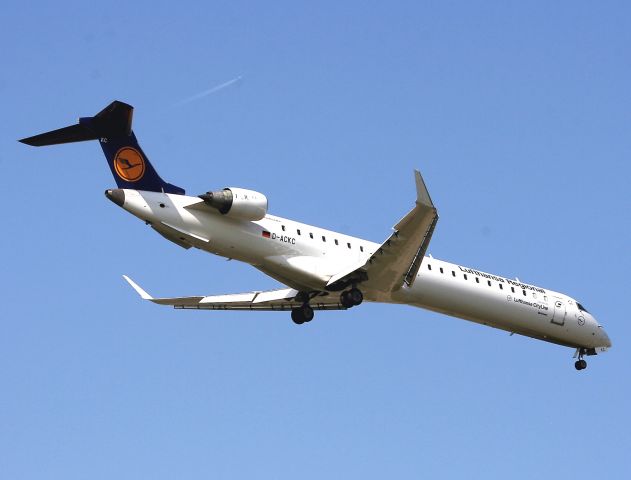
[[116, 195], [604, 337]]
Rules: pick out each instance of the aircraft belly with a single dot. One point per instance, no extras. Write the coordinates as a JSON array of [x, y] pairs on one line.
[[300, 270]]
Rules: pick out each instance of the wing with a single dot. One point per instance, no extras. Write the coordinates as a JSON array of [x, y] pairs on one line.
[[399, 258], [272, 300]]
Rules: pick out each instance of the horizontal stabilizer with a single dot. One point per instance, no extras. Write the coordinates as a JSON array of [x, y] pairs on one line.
[[71, 134], [111, 122]]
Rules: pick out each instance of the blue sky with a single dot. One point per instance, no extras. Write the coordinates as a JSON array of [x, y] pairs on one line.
[[517, 113]]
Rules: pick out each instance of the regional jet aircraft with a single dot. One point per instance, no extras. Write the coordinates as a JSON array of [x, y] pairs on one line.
[[322, 269]]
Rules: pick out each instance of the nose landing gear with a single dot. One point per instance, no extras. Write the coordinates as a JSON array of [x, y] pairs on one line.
[[580, 364]]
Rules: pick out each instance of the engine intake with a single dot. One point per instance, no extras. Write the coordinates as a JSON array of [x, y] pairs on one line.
[[237, 203]]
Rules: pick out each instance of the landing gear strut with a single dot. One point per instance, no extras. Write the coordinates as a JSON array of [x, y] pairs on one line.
[[351, 298], [580, 364], [302, 314]]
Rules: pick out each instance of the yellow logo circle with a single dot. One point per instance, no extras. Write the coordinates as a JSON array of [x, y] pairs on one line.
[[129, 164]]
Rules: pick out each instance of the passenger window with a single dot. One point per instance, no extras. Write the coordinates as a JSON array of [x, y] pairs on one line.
[[310, 235], [361, 249], [524, 292], [323, 238], [489, 282], [465, 277], [298, 231], [348, 245], [429, 267], [512, 289], [453, 274], [336, 242], [441, 270], [283, 227], [477, 280], [501, 287]]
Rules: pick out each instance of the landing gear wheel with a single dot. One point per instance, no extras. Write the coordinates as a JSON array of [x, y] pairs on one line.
[[345, 300], [580, 364], [356, 296], [351, 298], [307, 313], [296, 316], [303, 314]]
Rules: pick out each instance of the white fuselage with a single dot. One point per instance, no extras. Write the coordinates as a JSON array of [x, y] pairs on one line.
[[306, 257]]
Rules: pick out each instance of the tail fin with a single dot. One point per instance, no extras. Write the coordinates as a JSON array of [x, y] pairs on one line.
[[112, 127]]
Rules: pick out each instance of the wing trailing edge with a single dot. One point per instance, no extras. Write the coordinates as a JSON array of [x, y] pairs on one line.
[[272, 300]]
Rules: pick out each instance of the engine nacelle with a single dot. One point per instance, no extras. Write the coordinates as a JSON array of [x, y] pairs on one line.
[[238, 203]]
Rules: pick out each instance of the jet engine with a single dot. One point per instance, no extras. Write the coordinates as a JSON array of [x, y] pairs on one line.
[[237, 203]]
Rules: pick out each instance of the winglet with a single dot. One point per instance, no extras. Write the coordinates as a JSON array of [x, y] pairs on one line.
[[144, 295], [422, 195]]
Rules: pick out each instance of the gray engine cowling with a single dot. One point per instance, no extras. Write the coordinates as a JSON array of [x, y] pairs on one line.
[[238, 203]]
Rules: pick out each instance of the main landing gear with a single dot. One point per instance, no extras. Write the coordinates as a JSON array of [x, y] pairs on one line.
[[304, 313], [351, 298], [580, 364]]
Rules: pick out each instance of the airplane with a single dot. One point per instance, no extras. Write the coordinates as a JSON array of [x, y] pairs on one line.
[[322, 269]]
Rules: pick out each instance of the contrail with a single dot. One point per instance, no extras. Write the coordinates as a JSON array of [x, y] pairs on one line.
[[210, 91]]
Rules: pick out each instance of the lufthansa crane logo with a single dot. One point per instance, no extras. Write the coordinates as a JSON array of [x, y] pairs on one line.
[[129, 164]]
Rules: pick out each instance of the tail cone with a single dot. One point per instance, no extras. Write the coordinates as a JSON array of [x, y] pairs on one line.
[[116, 195]]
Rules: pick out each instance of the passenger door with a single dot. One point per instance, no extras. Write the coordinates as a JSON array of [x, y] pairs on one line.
[[559, 312]]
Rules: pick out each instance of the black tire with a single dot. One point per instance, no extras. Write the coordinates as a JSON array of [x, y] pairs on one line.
[[345, 300], [307, 313], [577, 365], [296, 316], [356, 296], [583, 364]]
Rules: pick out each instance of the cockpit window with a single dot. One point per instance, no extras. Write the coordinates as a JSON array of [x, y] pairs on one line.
[[581, 307]]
